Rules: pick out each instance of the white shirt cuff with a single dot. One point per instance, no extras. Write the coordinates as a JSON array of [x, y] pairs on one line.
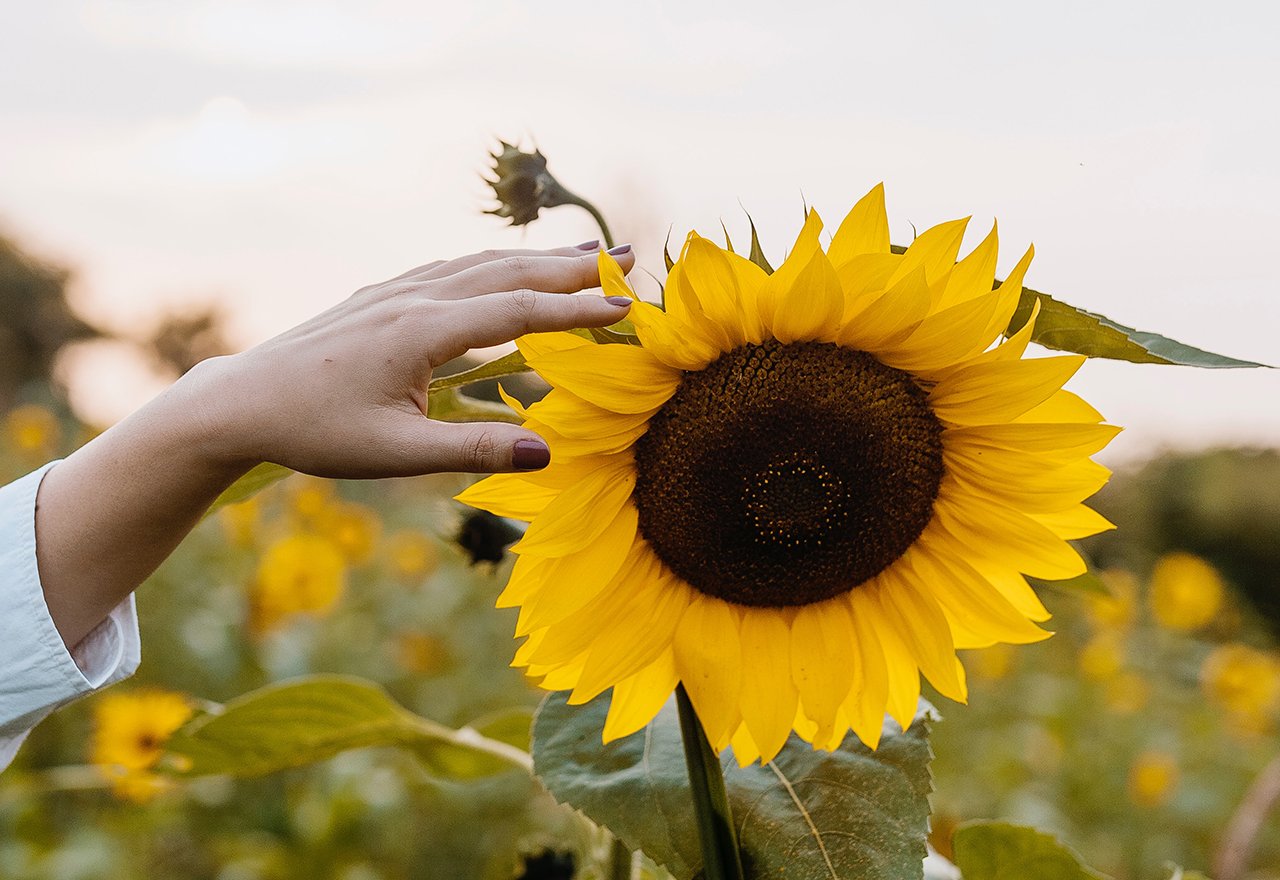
[[39, 673]]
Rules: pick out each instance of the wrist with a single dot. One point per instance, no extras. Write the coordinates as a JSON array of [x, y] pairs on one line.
[[208, 415]]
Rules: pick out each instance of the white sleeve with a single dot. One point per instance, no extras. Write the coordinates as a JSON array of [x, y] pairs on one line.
[[37, 672]]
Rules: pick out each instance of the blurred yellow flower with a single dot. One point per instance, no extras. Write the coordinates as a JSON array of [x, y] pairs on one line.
[[421, 654], [411, 554], [31, 429], [1186, 592], [990, 664], [130, 730], [1243, 680], [1127, 693], [1102, 659], [1118, 610], [242, 521], [355, 529], [1153, 778], [311, 499], [299, 573]]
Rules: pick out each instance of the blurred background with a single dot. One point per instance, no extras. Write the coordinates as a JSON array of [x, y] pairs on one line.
[[182, 180]]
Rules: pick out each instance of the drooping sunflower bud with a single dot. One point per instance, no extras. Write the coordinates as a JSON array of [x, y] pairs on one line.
[[523, 186]]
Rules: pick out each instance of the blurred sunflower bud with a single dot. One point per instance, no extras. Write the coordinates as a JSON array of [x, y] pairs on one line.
[[523, 186]]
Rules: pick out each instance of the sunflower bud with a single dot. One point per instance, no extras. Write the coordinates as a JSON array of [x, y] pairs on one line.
[[523, 186]]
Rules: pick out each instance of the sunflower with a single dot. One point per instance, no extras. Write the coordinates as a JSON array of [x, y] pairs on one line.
[[801, 491]]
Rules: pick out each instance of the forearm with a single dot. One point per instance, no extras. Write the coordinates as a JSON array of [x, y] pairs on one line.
[[109, 514]]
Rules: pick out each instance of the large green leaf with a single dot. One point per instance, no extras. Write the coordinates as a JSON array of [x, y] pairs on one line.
[[310, 719], [1000, 851], [807, 814], [250, 484], [1066, 328], [507, 365]]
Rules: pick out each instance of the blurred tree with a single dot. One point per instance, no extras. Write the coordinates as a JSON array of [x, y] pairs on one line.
[[36, 321], [184, 339], [1222, 504]]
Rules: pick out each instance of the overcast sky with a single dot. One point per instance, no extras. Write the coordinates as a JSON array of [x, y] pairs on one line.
[[276, 156]]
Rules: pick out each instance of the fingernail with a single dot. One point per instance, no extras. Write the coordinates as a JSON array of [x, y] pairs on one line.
[[589, 245], [620, 250], [530, 455], [618, 300]]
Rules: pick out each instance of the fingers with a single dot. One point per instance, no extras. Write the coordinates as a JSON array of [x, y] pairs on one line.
[[553, 272], [474, 447], [453, 267], [501, 317]]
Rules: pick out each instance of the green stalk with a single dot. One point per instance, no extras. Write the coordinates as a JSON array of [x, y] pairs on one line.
[[721, 859], [570, 198]]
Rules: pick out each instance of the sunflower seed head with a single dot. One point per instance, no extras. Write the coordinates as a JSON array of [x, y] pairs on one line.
[[522, 185]]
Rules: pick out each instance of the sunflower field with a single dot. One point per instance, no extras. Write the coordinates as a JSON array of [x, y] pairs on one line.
[[782, 606]]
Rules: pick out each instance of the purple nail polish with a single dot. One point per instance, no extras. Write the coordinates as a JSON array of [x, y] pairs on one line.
[[618, 300], [619, 250], [530, 455], [589, 245]]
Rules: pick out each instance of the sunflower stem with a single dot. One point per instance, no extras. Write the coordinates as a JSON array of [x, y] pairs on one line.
[[721, 859], [620, 861], [570, 198]]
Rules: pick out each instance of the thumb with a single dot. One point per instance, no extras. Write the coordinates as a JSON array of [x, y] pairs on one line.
[[476, 447]]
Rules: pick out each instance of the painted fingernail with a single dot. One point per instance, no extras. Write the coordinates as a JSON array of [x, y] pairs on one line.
[[620, 250], [618, 300], [589, 245], [530, 455]]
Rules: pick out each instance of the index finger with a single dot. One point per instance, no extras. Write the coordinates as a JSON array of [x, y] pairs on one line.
[[550, 273]]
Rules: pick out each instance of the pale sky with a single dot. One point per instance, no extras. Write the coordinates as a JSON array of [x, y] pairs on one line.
[[276, 156]]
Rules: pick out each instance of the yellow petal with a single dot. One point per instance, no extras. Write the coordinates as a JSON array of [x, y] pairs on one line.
[[999, 392], [535, 345], [865, 705], [1062, 406], [709, 660], [639, 698], [619, 378], [708, 272], [575, 579], [934, 250], [571, 416], [769, 696], [527, 577], [776, 286], [1074, 522], [1058, 443], [865, 230], [579, 514], [891, 317], [811, 308], [995, 529], [508, 495], [672, 344], [974, 275], [822, 660], [923, 629]]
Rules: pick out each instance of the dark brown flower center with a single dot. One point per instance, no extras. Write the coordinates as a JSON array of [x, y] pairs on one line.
[[788, 474]]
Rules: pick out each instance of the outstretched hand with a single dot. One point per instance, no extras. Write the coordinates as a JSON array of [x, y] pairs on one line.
[[342, 395]]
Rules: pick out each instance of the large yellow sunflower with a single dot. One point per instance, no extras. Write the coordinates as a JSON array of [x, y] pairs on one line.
[[801, 491]]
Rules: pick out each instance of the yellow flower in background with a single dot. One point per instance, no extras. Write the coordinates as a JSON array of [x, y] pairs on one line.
[[1153, 778], [1102, 658], [32, 430], [1118, 610], [1186, 592], [1243, 680], [411, 554], [130, 730], [801, 492], [242, 521], [993, 663], [355, 529], [301, 573], [421, 654], [1127, 693], [311, 499]]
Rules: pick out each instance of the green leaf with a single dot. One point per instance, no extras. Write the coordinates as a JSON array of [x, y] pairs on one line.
[[507, 365], [1066, 328], [1000, 851], [807, 814], [249, 485], [311, 719], [757, 253], [1176, 872], [1084, 583], [451, 405]]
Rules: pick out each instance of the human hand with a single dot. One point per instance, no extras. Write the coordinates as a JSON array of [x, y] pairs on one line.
[[343, 395]]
